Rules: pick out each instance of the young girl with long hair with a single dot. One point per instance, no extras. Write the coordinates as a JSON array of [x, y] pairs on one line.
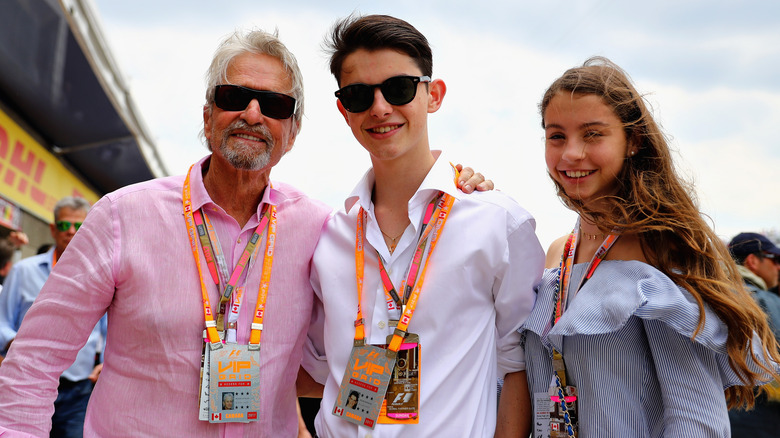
[[641, 325]]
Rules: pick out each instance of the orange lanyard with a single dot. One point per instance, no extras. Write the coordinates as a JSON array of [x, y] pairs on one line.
[[567, 261], [214, 256], [561, 297], [443, 207], [265, 280]]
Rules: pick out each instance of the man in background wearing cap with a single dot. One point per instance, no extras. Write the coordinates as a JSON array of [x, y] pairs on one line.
[[758, 261]]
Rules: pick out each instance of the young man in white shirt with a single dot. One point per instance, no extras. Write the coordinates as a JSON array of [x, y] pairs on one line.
[[470, 263]]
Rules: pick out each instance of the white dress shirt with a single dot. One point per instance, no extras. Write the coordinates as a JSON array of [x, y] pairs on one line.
[[478, 290]]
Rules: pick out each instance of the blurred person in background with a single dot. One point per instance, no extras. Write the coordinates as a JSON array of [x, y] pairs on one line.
[[8, 248], [758, 262]]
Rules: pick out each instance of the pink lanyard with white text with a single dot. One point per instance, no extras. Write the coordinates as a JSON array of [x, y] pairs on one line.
[[443, 207], [269, 218]]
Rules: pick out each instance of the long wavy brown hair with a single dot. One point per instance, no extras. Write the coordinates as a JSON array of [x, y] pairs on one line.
[[653, 202]]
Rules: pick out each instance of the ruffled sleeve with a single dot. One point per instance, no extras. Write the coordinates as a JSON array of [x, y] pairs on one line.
[[619, 290]]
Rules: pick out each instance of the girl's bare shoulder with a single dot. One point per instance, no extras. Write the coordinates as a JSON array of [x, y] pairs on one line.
[[555, 251]]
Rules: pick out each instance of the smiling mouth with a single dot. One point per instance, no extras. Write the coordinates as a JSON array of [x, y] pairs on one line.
[[578, 173], [384, 129], [248, 137]]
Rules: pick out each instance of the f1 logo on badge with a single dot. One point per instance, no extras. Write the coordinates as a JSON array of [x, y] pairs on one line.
[[403, 397]]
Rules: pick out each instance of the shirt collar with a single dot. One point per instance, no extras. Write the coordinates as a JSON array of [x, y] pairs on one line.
[[751, 277], [441, 177], [48, 257], [201, 198]]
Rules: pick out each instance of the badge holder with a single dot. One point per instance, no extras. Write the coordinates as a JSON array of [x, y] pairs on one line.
[[205, 370], [234, 383], [402, 400], [563, 402], [364, 385]]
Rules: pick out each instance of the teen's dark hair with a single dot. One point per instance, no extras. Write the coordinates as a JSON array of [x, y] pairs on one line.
[[376, 32]]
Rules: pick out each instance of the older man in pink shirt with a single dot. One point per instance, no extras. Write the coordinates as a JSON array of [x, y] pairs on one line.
[[133, 259]]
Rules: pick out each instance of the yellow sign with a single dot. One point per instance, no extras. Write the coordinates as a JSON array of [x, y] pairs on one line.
[[31, 176]]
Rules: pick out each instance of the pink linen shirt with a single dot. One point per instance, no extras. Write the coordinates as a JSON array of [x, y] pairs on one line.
[[132, 259]]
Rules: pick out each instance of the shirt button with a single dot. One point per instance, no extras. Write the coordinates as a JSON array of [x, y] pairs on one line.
[[381, 324], [239, 240]]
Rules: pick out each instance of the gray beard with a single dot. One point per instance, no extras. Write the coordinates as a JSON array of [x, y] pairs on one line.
[[247, 158]]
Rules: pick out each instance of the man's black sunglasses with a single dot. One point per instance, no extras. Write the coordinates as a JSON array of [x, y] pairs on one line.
[[237, 98], [65, 225], [398, 90]]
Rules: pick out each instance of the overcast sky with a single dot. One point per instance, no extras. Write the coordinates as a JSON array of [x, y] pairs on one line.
[[709, 69]]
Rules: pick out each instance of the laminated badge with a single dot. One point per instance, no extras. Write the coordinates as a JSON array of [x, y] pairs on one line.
[[234, 383], [364, 385], [402, 401]]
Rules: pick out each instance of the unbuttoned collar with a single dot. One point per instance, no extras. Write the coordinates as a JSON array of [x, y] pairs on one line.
[[201, 198], [441, 177]]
